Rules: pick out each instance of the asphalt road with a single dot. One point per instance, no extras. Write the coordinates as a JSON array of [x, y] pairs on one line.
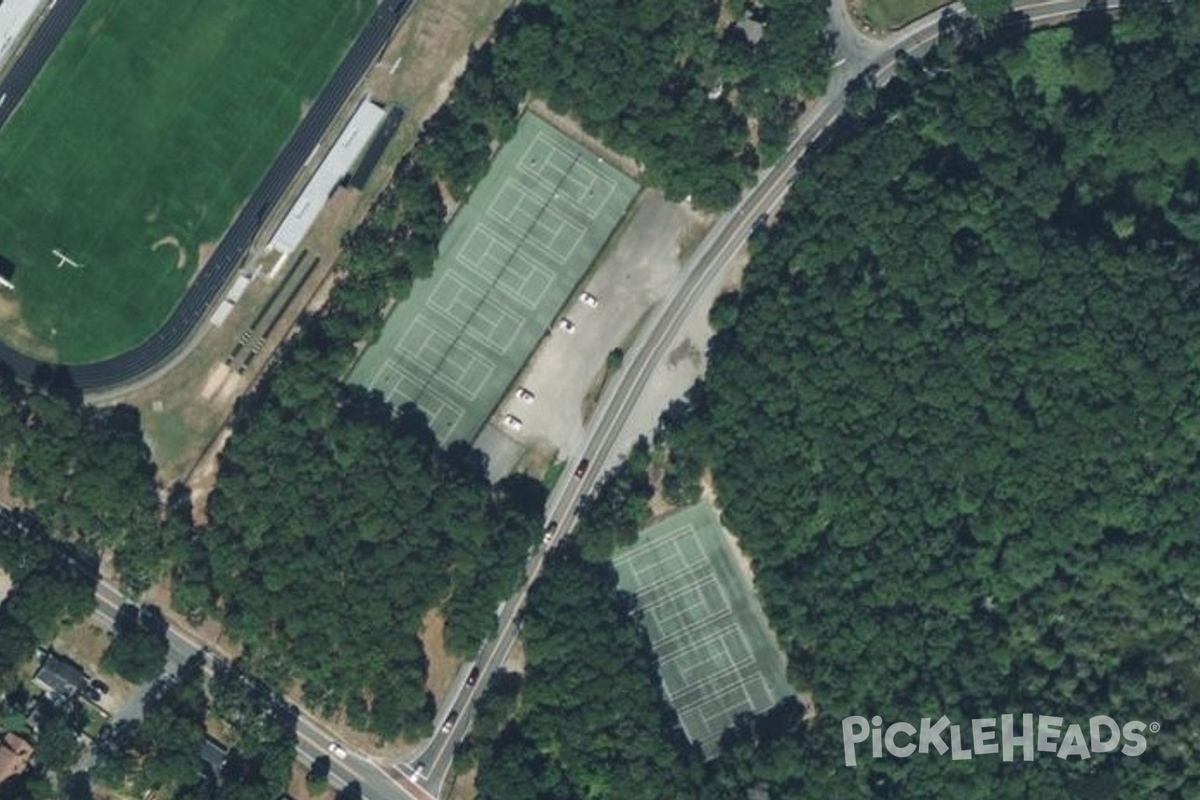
[[313, 740], [710, 261], [193, 310]]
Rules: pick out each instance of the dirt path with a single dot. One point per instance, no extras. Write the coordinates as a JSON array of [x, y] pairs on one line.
[[443, 666]]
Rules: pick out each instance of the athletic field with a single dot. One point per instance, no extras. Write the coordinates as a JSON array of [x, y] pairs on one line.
[[508, 261], [148, 128], [716, 655]]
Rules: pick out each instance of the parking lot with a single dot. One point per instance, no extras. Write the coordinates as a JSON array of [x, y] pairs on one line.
[[632, 276]]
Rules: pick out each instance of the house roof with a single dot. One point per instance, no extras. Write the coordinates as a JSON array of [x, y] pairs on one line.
[[61, 676], [14, 755], [214, 754]]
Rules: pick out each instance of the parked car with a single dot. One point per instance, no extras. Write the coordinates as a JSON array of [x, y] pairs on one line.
[[337, 750], [582, 469], [566, 325], [524, 395], [513, 422], [418, 771], [448, 725], [473, 676], [589, 300]]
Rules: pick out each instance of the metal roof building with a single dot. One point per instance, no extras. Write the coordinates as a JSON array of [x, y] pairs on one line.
[[335, 166]]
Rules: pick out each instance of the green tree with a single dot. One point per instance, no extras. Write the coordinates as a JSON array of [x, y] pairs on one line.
[[160, 752], [138, 650], [58, 745]]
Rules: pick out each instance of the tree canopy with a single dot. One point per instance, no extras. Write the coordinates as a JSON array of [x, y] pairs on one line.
[[953, 419], [138, 650], [336, 526]]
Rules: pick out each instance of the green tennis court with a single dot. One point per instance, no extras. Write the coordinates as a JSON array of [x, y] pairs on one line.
[[508, 261], [716, 655]]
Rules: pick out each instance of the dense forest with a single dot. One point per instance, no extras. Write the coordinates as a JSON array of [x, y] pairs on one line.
[[673, 83], [589, 665], [699, 94], [954, 418], [335, 527]]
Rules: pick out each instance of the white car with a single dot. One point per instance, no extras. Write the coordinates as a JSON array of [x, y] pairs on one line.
[[337, 750], [589, 300], [566, 325], [513, 422], [524, 395]]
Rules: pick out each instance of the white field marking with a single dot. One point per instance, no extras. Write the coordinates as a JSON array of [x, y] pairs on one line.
[[63, 258]]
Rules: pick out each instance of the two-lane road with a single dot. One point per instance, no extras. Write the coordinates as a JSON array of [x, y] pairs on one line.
[[313, 740], [710, 261]]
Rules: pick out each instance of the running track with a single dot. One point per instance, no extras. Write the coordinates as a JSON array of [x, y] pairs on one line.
[[193, 309]]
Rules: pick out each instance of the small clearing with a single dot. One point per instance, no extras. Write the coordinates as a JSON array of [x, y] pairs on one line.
[[14, 332], [206, 250], [464, 785], [203, 478], [442, 665], [7, 498], [708, 493], [516, 657]]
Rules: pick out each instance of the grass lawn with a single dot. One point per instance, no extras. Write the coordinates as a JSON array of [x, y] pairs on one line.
[[892, 14], [148, 128], [553, 473]]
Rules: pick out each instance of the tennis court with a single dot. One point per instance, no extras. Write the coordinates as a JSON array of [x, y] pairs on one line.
[[508, 261], [716, 655]]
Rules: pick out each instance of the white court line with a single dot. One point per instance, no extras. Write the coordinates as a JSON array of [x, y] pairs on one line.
[[659, 541], [697, 642], [695, 572], [475, 306], [457, 386], [674, 598], [576, 163]]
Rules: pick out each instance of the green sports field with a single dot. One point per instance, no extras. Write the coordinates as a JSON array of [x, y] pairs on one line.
[[716, 655], [148, 128], [506, 264]]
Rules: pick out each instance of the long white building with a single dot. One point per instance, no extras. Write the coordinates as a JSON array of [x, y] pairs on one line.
[[334, 166]]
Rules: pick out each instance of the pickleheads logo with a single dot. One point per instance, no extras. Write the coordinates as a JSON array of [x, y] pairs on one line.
[[1045, 735]]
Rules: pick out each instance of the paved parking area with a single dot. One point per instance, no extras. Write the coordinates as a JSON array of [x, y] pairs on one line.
[[632, 276]]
